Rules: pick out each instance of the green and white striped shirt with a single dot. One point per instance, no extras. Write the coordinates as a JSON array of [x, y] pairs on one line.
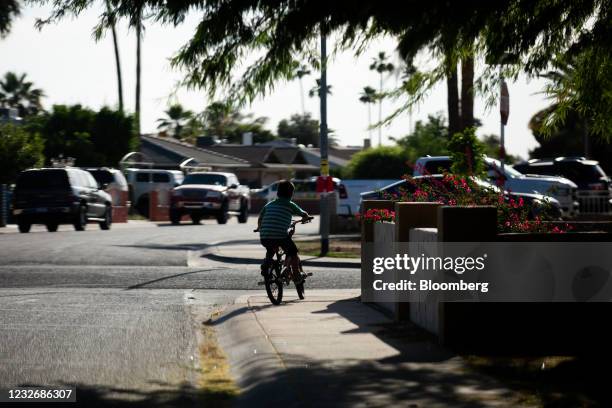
[[276, 218]]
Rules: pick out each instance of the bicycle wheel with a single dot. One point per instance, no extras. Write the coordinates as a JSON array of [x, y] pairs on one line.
[[274, 284]]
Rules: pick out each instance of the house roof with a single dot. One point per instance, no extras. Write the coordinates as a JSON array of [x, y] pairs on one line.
[[167, 151], [253, 154]]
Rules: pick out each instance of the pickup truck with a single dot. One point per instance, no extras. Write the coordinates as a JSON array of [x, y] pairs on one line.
[[209, 194]]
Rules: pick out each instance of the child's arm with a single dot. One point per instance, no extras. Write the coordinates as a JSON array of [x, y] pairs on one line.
[[297, 210]]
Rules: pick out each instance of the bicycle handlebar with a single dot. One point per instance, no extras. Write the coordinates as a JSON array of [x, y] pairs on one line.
[[294, 223]]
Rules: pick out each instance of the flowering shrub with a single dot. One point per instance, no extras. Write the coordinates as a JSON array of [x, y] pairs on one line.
[[377, 215], [512, 215]]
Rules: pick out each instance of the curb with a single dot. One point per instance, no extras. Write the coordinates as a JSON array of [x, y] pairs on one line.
[[210, 254]]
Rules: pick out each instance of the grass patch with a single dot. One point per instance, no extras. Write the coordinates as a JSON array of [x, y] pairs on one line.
[[217, 385], [136, 217], [338, 248]]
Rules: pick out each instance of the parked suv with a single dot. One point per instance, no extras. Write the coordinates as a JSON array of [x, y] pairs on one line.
[[110, 180], [53, 196], [143, 181], [593, 184], [210, 194], [559, 188]]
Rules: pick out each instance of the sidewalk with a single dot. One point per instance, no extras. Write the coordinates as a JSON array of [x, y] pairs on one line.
[[253, 253], [332, 350]]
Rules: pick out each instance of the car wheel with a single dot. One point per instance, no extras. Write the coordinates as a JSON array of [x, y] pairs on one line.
[[196, 219], [24, 227], [52, 226], [81, 219], [175, 217], [222, 215], [108, 219], [244, 213]]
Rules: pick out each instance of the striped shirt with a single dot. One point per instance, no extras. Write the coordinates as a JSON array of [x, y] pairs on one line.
[[276, 218]]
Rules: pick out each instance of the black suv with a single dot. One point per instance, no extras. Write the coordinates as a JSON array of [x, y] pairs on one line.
[[593, 183], [585, 173], [60, 196]]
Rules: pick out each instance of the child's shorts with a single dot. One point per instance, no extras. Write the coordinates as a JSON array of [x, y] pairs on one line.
[[286, 244]]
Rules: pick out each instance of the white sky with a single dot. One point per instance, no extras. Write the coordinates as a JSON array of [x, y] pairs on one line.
[[72, 68]]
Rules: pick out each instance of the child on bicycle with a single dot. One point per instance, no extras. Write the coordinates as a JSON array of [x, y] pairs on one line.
[[273, 223]]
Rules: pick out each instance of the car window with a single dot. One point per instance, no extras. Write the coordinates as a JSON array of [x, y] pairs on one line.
[[579, 172], [437, 166], [274, 187], [142, 177], [91, 181], [161, 178], [204, 178], [102, 176], [43, 179]]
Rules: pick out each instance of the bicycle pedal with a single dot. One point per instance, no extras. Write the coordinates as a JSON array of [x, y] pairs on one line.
[[309, 274]]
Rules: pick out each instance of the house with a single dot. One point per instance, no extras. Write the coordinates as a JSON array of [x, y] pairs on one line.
[[255, 165]]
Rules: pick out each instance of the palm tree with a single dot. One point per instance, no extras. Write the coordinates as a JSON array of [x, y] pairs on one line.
[[300, 73], [220, 117], [380, 65], [16, 92], [138, 24], [116, 47], [369, 96], [316, 90], [561, 84], [9, 9], [176, 118]]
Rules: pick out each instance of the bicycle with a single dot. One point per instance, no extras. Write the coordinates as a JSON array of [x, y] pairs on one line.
[[277, 274]]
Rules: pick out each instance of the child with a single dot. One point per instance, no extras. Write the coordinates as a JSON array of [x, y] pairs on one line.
[[273, 223]]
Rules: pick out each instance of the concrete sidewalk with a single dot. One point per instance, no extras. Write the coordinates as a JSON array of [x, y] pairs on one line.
[[253, 253], [332, 350]]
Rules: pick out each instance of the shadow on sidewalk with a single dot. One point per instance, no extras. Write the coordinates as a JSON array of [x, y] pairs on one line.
[[168, 395]]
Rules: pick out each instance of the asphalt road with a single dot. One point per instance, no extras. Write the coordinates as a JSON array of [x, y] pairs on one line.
[[112, 312]]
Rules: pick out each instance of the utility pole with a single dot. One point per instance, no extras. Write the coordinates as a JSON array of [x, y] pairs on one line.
[[324, 220]]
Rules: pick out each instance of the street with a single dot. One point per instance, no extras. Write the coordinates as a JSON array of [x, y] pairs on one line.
[[111, 312]]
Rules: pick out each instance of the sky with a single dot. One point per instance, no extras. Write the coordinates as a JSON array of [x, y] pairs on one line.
[[71, 68]]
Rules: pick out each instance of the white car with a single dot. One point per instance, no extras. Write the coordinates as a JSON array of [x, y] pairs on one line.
[[306, 189], [143, 181], [559, 188]]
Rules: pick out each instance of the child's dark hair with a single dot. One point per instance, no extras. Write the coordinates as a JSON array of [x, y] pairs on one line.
[[285, 189]]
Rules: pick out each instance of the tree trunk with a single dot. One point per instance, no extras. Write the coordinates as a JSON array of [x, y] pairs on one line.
[[117, 59], [454, 124], [380, 111], [467, 92], [138, 41]]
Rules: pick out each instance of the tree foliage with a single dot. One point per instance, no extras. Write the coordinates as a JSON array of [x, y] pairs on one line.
[[303, 128], [175, 120], [281, 33], [429, 138], [467, 153], [9, 9], [224, 120], [93, 138], [382, 162], [19, 150], [18, 93]]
